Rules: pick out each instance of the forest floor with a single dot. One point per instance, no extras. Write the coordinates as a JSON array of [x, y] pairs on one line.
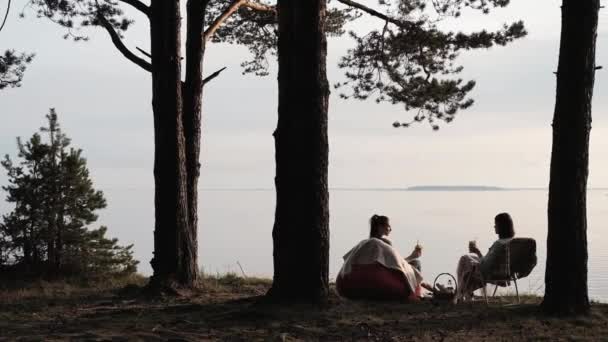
[[227, 309]]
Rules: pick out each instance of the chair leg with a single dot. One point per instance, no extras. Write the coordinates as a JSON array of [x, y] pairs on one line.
[[495, 289], [516, 290], [484, 290], [460, 294]]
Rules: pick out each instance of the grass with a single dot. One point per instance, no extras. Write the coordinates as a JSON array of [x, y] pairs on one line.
[[11, 292], [226, 308], [233, 280]]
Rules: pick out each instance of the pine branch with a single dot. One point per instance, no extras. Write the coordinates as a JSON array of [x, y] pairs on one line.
[[260, 7], [234, 6], [121, 46], [143, 8], [230, 10], [144, 52], [8, 9], [212, 76], [373, 12]]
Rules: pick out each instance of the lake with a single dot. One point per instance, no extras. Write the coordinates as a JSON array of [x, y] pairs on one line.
[[236, 226]]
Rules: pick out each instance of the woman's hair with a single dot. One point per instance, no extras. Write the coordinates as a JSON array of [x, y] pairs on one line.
[[375, 223], [504, 226]]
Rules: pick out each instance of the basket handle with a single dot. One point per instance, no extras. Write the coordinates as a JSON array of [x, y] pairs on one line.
[[448, 274]]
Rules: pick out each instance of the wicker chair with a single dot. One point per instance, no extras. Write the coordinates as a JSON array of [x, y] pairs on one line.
[[515, 261]]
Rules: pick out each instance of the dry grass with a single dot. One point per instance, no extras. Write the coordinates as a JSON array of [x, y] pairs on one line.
[[233, 280], [12, 292], [227, 308]]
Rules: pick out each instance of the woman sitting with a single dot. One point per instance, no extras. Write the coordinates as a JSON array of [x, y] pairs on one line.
[[375, 270], [472, 266]]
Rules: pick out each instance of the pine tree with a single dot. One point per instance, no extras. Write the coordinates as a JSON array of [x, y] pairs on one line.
[[567, 206], [24, 228], [301, 229], [55, 203]]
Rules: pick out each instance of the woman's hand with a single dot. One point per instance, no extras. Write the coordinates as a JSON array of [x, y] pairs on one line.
[[416, 253], [427, 287], [474, 250]]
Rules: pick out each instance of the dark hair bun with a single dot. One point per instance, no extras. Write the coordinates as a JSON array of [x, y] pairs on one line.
[[377, 221]]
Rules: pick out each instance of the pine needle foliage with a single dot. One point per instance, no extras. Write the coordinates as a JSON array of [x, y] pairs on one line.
[[403, 58], [55, 203], [406, 60], [12, 64], [12, 68]]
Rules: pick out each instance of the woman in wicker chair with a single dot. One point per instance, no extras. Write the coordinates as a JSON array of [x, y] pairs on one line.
[[471, 266]]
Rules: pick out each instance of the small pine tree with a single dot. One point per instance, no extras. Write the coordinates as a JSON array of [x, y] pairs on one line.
[[55, 202]]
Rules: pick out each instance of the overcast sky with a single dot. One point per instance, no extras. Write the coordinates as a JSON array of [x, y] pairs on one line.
[[105, 107]]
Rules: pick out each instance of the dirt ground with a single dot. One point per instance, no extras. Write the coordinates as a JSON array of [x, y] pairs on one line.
[[229, 310]]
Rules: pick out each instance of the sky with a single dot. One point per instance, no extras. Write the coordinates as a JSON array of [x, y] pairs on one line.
[[104, 103]]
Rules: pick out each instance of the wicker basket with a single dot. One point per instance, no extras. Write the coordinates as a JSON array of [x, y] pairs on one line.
[[448, 296]]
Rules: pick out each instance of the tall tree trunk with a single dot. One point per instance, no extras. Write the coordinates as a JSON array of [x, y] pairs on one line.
[[35, 247], [59, 248], [51, 233], [27, 248], [60, 224], [172, 263], [52, 205], [567, 236], [192, 108], [50, 248], [301, 228]]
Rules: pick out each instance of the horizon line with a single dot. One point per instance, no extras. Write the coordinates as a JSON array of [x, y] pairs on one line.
[[456, 188], [416, 188]]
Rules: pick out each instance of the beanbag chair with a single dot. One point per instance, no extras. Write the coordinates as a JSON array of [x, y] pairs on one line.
[[374, 270], [374, 282]]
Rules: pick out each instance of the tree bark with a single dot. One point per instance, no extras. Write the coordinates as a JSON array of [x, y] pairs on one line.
[[27, 248], [172, 263], [192, 111], [301, 228], [567, 217], [59, 248]]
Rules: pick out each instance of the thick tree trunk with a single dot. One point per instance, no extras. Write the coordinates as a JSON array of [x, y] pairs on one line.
[[172, 262], [566, 293], [301, 228]]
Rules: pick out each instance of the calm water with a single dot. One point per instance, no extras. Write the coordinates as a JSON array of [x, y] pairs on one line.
[[235, 226]]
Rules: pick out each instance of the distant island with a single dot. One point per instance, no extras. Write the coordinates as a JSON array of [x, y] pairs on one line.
[[454, 188]]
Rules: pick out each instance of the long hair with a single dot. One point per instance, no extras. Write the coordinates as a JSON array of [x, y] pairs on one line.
[[504, 226], [375, 223]]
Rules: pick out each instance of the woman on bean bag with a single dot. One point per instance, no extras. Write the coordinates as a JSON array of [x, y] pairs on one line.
[[373, 269]]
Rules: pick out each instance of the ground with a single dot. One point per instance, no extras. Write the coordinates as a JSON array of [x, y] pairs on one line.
[[228, 309]]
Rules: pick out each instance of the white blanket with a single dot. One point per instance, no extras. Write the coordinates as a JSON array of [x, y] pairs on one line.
[[374, 250]]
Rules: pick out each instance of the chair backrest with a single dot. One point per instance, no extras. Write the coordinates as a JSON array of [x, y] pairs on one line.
[[516, 258], [522, 256], [497, 266]]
